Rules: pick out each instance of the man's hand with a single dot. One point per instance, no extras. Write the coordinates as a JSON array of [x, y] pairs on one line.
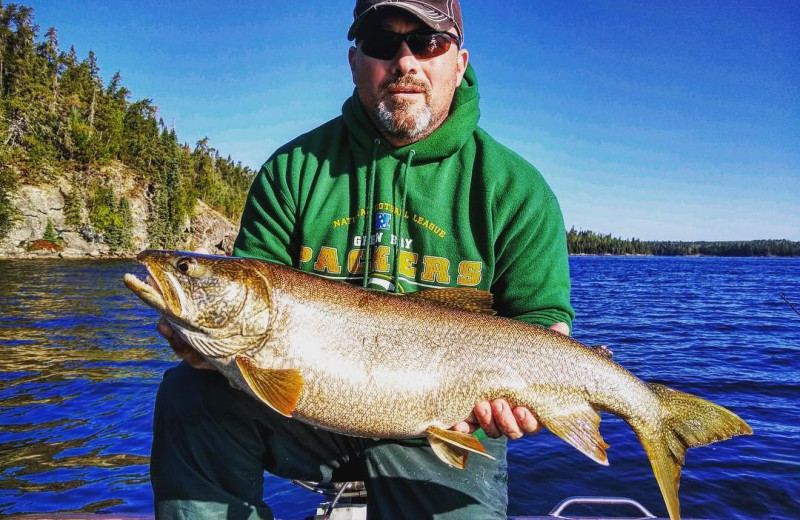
[[498, 418], [181, 348]]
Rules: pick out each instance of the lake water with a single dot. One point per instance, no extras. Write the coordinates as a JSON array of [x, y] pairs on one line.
[[80, 362]]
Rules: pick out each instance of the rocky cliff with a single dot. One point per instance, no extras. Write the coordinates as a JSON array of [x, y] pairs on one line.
[[36, 205]]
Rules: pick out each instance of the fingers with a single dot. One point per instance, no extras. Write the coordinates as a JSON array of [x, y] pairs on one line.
[[467, 426], [498, 418], [165, 329], [483, 413], [176, 342], [504, 419], [528, 422], [182, 349], [561, 327], [464, 427]]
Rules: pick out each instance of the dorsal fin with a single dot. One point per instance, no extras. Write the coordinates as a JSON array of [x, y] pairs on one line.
[[463, 298], [603, 351]]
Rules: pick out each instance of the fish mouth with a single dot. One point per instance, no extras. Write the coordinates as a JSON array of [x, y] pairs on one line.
[[149, 291], [160, 290]]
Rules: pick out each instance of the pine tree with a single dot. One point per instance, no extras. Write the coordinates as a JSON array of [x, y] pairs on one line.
[[158, 223], [50, 232], [102, 209], [112, 107], [73, 206], [126, 221], [8, 213]]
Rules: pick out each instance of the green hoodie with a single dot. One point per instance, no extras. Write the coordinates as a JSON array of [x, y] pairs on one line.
[[456, 209]]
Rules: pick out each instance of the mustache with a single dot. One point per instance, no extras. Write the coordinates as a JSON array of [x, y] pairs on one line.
[[404, 82]]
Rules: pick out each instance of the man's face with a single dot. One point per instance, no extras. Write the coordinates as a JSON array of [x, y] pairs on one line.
[[406, 97]]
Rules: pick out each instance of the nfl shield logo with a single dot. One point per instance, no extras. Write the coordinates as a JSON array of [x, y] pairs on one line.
[[382, 221]]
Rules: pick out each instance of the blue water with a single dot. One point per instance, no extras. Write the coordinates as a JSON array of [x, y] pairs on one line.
[[80, 362]]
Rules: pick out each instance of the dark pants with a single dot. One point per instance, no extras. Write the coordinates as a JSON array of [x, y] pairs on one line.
[[212, 444]]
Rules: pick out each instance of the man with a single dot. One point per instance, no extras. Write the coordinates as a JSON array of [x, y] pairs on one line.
[[403, 191]]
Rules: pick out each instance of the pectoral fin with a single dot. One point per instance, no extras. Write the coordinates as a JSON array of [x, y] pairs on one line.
[[453, 447], [579, 425], [279, 389]]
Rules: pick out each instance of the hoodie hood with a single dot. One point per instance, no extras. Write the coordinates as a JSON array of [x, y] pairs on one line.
[[443, 142], [456, 209]]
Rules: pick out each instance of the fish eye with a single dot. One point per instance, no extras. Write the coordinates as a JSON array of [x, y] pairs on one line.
[[186, 265]]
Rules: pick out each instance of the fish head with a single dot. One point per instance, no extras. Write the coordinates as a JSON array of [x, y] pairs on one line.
[[219, 305]]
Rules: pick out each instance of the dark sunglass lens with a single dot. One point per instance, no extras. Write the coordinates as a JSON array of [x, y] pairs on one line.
[[426, 46], [381, 45], [379, 48]]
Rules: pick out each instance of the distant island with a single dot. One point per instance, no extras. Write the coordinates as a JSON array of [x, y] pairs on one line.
[[590, 243]]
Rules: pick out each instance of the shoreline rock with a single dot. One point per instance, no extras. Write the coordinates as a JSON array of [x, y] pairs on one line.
[[38, 204]]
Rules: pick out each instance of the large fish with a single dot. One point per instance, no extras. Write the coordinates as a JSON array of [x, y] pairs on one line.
[[374, 364]]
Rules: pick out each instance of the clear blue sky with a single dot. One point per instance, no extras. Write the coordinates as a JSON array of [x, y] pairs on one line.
[[657, 120]]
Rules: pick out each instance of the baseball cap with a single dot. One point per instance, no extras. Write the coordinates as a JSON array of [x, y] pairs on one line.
[[440, 15]]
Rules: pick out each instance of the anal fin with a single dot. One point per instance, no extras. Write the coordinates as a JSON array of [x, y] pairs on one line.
[[453, 447], [579, 425], [278, 388]]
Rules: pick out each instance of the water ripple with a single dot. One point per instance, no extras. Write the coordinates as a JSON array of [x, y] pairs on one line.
[[80, 362]]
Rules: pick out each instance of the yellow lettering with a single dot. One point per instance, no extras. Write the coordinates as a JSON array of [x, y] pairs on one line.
[[435, 269], [406, 262], [328, 261], [305, 254], [469, 273], [355, 261], [381, 262]]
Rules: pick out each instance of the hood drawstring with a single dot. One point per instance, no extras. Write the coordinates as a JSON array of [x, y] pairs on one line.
[[397, 229], [368, 220], [401, 217]]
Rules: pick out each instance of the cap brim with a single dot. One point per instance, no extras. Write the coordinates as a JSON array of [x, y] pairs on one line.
[[430, 17]]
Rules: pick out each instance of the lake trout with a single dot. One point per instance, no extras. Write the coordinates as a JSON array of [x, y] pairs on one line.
[[373, 364]]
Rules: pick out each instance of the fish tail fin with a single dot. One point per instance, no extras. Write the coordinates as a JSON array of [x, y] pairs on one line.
[[688, 421]]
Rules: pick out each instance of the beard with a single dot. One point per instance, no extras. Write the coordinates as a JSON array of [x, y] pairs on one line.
[[404, 120]]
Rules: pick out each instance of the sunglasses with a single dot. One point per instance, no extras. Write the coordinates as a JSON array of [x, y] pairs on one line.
[[383, 45]]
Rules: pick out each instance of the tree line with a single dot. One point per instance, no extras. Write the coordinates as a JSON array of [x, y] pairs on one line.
[[58, 116], [590, 243]]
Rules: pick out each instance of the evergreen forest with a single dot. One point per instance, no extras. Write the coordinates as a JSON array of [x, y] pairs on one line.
[[58, 117], [590, 243]]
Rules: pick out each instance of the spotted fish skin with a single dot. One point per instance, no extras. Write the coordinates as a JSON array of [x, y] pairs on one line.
[[373, 364]]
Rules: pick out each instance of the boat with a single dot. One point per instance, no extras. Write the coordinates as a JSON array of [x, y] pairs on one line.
[[348, 501]]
